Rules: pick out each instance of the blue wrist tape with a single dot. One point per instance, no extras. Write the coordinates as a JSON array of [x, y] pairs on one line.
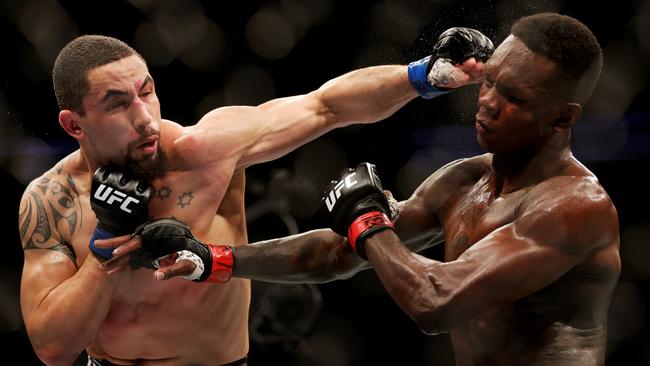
[[101, 252], [418, 78]]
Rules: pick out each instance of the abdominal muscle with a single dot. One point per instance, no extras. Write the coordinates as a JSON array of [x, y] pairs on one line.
[[175, 322]]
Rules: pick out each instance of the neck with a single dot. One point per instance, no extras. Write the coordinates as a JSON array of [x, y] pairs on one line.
[[88, 160], [520, 169]]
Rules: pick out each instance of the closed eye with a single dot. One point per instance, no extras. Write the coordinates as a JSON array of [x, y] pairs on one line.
[[118, 104], [515, 100]]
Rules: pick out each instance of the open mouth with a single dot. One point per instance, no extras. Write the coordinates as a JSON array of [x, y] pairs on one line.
[[149, 145]]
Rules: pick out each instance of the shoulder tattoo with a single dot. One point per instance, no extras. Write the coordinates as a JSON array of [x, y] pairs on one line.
[[63, 202], [49, 212]]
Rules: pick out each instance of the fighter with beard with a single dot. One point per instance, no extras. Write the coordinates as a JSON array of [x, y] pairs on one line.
[[193, 173]]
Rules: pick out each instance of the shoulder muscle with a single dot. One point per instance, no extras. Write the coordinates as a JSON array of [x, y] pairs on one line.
[[50, 213], [573, 212], [447, 181]]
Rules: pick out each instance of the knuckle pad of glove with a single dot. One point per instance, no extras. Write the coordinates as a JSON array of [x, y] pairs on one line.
[[120, 202], [459, 44], [161, 237], [449, 46], [480, 44]]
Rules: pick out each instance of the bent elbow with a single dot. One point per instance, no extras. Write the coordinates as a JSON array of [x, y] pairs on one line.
[[53, 352], [54, 355], [429, 323], [432, 318]]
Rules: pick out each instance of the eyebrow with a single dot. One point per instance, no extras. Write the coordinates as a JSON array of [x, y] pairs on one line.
[[115, 92]]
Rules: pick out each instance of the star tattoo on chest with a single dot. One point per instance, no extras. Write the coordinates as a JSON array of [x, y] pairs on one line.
[[185, 199], [164, 192]]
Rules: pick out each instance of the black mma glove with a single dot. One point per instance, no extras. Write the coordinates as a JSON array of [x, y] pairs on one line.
[[162, 237], [429, 76], [458, 44], [355, 206], [120, 205]]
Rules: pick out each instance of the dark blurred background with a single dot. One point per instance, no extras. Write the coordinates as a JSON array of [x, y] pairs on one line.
[[206, 54]]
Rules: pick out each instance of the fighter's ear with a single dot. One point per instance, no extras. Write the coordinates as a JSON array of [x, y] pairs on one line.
[[69, 120], [568, 116]]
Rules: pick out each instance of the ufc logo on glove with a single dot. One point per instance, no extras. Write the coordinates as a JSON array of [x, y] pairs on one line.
[[335, 193], [103, 194]]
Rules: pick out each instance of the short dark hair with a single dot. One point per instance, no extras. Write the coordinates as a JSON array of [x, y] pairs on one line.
[[569, 43], [81, 55]]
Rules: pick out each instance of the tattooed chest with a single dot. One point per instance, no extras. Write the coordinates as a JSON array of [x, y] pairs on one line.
[[183, 201], [173, 198]]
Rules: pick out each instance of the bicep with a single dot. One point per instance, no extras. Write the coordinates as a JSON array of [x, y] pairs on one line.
[[48, 259], [285, 124], [253, 135], [43, 271], [501, 268]]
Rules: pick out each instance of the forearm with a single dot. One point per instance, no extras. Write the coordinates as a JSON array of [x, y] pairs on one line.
[[374, 93], [410, 279], [312, 257], [68, 318], [366, 95], [274, 128]]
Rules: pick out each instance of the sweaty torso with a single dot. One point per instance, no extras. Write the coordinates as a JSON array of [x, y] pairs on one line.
[[563, 323], [176, 322]]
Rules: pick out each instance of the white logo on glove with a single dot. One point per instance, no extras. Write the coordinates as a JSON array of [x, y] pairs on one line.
[[335, 193], [110, 195]]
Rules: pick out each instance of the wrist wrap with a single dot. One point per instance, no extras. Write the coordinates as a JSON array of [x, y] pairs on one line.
[[365, 225]]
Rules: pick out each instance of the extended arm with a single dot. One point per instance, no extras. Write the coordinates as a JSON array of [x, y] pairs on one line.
[[322, 255], [256, 134], [315, 256], [312, 257], [62, 305], [250, 135]]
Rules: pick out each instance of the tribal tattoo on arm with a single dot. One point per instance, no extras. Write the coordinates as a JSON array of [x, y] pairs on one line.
[[50, 212]]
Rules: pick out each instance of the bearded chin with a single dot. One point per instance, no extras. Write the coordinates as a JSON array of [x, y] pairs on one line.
[[148, 168]]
